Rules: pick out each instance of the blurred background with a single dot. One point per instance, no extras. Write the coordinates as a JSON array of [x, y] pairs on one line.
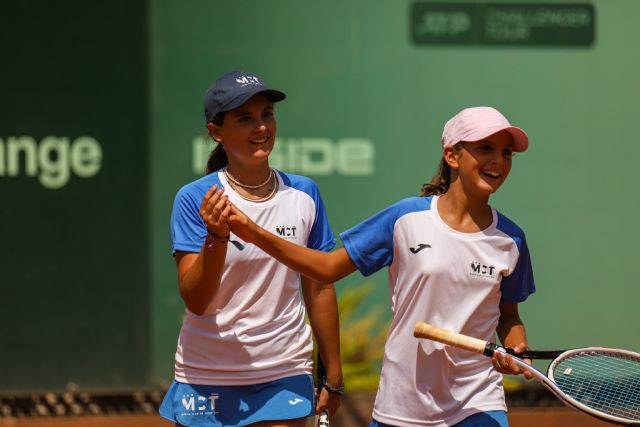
[[101, 122]]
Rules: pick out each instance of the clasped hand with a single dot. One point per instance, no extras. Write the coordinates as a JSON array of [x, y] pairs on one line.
[[221, 217]]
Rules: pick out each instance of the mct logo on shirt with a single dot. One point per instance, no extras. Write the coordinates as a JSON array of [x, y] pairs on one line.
[[189, 402], [248, 80], [482, 270], [285, 232]]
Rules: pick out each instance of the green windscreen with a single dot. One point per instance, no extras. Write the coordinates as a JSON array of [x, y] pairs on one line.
[[369, 87], [74, 282], [101, 123]]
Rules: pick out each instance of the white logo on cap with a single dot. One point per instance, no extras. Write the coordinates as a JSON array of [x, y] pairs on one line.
[[248, 80]]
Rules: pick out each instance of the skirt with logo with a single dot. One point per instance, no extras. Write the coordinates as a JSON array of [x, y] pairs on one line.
[[234, 406]]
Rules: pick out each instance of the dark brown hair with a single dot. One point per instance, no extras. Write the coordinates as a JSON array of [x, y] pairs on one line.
[[218, 157], [441, 180]]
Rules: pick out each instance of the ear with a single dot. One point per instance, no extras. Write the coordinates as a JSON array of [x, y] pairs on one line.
[[214, 132], [452, 156]]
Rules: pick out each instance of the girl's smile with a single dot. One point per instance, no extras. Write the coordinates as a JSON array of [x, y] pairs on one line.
[[487, 162], [248, 132]]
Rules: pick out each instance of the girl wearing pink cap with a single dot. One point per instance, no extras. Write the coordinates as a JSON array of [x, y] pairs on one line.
[[453, 261]]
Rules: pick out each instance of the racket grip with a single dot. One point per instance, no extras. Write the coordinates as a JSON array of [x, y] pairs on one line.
[[425, 330], [323, 420]]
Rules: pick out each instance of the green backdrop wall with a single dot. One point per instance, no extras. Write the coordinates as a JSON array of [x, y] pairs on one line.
[[88, 284], [74, 275], [354, 72]]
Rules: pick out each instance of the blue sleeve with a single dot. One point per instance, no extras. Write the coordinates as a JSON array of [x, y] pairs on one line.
[[517, 286], [187, 227], [321, 237], [370, 243]]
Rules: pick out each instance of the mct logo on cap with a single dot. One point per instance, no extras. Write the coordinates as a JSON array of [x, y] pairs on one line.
[[234, 89], [248, 80]]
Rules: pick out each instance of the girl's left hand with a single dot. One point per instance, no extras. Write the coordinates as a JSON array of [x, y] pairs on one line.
[[328, 401], [503, 363]]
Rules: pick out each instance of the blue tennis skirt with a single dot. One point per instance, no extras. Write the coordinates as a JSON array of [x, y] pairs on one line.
[[234, 406]]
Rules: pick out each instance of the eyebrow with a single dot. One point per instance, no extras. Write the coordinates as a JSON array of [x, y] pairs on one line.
[[509, 145], [247, 112]]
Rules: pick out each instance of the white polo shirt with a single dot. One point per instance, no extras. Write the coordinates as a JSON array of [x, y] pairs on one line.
[[254, 328], [449, 279]]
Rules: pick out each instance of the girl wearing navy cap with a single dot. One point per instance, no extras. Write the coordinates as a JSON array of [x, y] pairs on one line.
[[453, 261], [244, 351]]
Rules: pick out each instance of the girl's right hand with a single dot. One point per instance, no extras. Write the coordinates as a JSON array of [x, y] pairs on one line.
[[214, 210]]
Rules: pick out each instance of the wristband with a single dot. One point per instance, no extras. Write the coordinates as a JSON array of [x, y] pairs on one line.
[[223, 240], [339, 391], [215, 239]]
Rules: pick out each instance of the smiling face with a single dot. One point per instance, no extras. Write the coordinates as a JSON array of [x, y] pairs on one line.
[[247, 132], [482, 166]]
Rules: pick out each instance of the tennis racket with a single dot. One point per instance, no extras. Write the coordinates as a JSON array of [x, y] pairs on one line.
[[599, 381], [322, 420]]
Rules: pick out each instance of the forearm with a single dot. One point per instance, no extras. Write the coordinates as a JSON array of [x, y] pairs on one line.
[[324, 267], [512, 334], [322, 309], [199, 277], [511, 330]]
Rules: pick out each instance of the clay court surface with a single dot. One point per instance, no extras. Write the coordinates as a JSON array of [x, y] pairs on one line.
[[518, 417]]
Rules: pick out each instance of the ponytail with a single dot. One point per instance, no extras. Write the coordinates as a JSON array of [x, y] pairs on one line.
[[218, 157], [442, 179], [440, 182]]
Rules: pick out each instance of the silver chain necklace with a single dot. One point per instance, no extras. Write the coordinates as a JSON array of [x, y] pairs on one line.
[[250, 187], [273, 190]]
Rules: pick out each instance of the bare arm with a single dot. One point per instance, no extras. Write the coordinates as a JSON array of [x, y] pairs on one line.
[[199, 274], [512, 334], [322, 308], [324, 267]]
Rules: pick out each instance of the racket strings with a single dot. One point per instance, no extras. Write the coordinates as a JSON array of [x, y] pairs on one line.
[[606, 382]]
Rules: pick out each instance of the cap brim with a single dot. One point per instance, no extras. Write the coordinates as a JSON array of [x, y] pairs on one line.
[[271, 94], [520, 139]]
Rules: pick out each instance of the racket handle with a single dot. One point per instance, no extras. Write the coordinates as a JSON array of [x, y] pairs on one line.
[[425, 330], [323, 420]]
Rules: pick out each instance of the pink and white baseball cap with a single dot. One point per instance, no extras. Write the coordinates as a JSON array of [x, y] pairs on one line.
[[477, 123]]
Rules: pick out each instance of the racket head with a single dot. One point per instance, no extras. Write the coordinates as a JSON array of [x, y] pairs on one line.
[[603, 382]]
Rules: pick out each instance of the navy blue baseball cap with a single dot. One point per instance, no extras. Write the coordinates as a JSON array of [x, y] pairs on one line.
[[234, 89]]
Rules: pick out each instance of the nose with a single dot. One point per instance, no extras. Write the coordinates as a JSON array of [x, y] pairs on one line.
[[498, 157], [261, 126]]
